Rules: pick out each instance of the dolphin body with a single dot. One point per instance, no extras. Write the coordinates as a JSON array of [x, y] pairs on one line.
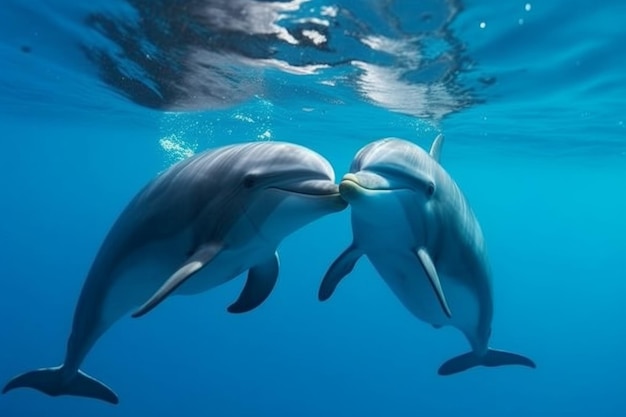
[[412, 221], [216, 214]]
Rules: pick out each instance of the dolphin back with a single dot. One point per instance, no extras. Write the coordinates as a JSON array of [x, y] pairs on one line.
[[211, 183], [206, 186]]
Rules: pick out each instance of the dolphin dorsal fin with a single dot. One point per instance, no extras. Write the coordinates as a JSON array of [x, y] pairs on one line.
[[435, 148]]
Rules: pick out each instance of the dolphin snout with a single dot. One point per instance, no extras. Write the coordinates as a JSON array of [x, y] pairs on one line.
[[349, 187], [363, 182], [350, 177], [313, 187]]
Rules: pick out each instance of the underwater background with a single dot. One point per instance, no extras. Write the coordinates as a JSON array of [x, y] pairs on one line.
[[98, 97]]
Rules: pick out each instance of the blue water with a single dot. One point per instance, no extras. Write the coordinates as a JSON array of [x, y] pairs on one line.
[[97, 99]]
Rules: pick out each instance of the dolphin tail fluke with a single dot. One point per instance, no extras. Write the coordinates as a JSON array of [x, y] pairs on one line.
[[52, 381], [491, 358]]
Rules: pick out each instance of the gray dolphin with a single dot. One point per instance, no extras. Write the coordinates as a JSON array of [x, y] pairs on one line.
[[223, 212], [412, 221]]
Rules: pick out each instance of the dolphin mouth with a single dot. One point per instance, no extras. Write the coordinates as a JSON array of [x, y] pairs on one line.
[[312, 188], [308, 194], [326, 193], [351, 182]]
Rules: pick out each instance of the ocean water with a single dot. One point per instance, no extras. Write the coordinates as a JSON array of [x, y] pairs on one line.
[[99, 97]]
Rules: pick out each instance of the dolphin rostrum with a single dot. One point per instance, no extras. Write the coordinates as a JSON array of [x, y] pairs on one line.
[[413, 223], [212, 216]]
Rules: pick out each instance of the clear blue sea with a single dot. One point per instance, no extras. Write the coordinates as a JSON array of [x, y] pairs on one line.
[[99, 97]]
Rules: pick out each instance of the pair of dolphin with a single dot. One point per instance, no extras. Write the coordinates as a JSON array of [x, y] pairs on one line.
[[225, 211]]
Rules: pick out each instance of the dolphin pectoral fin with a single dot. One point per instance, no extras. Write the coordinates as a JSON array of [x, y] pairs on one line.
[[342, 266], [431, 273], [51, 381], [200, 258], [435, 148], [259, 285], [491, 358]]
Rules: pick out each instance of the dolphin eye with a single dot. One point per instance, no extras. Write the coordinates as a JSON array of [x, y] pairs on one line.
[[430, 189]]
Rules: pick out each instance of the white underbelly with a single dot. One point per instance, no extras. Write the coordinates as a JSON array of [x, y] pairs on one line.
[[228, 265], [148, 269], [405, 276]]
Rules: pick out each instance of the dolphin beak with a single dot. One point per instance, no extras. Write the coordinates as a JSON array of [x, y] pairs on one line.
[[363, 183], [324, 191], [314, 188], [349, 187], [349, 177], [321, 190]]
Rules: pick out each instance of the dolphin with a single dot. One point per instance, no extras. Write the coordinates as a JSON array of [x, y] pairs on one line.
[[212, 216], [413, 223]]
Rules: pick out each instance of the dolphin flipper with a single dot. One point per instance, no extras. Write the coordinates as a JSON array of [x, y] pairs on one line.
[[431, 273], [491, 358], [52, 381], [435, 148], [342, 266], [200, 258], [259, 285]]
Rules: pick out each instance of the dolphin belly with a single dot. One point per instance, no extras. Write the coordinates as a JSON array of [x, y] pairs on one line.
[[140, 274], [146, 271], [406, 278], [229, 264]]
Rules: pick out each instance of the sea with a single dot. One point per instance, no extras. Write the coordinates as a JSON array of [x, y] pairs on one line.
[[99, 97]]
